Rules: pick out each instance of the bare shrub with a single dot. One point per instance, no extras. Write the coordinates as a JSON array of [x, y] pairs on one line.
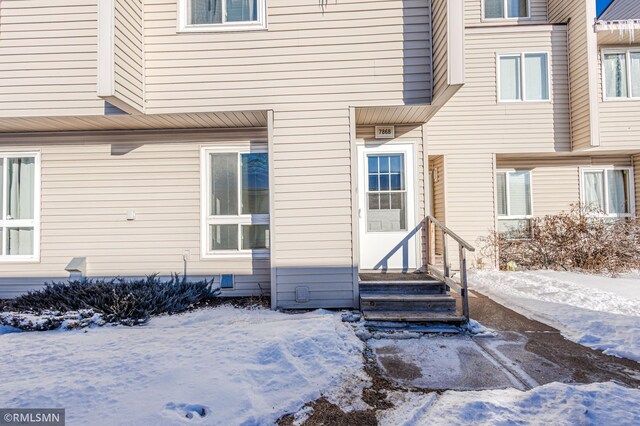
[[575, 240]]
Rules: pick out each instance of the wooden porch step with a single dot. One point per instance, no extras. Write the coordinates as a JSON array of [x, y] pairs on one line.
[[414, 317], [408, 302], [404, 287]]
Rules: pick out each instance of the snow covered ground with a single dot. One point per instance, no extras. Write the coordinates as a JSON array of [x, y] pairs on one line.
[[596, 311], [228, 366], [553, 404], [237, 366]]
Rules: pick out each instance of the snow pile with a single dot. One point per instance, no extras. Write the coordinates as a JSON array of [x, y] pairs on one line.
[[215, 366], [51, 320], [476, 329], [555, 403], [596, 311]]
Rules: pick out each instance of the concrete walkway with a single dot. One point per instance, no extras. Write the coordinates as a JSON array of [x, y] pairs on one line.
[[523, 354]]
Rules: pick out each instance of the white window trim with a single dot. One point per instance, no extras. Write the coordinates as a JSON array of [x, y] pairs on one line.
[[184, 26], [523, 78], [504, 17], [632, 201], [629, 96], [509, 216], [35, 223], [206, 219]]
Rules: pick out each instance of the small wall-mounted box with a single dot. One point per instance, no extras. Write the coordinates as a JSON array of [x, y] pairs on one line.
[[385, 132], [302, 294], [226, 281]]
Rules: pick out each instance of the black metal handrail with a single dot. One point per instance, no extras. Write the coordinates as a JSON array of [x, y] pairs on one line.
[[445, 274]]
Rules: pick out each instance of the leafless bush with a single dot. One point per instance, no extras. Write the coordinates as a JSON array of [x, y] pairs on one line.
[[575, 240]]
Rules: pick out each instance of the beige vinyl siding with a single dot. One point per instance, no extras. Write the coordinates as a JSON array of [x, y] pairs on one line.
[[555, 181], [473, 126], [313, 204], [438, 195], [582, 40], [440, 51], [469, 202], [354, 53], [619, 119], [48, 58], [87, 192], [474, 14], [474, 121], [128, 53]]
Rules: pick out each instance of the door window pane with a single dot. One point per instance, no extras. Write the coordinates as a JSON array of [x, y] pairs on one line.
[[536, 82], [242, 10], [373, 164], [519, 194], [255, 184], [20, 241], [618, 191], [384, 182], [635, 74], [594, 190], [224, 184], [501, 183], [615, 71], [205, 12], [493, 9], [396, 164], [386, 200], [510, 78], [21, 198], [224, 237], [517, 9], [383, 160], [255, 237]]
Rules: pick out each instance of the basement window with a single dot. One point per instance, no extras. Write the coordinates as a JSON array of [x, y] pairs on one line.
[[222, 15], [235, 202]]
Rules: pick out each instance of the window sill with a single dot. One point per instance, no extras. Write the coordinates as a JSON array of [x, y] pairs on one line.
[[221, 28], [621, 100], [236, 255], [19, 259], [543, 101], [508, 20]]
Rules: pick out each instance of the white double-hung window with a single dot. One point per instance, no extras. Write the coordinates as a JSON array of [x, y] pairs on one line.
[[608, 190], [621, 73], [514, 201], [523, 77], [506, 9], [222, 15], [235, 201], [20, 191]]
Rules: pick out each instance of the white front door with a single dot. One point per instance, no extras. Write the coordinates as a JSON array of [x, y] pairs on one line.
[[386, 193]]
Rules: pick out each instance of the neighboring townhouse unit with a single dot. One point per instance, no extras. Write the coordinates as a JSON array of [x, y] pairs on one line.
[[284, 146]]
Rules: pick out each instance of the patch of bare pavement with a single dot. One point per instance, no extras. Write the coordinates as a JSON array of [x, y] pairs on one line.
[[521, 354]]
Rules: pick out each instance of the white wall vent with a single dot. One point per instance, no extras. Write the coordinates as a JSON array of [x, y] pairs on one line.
[[385, 132]]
